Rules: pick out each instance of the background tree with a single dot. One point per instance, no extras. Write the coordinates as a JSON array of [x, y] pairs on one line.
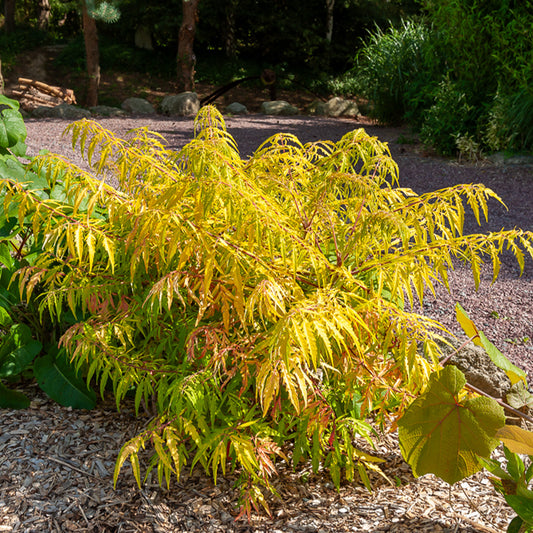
[[91, 11], [9, 14], [44, 14], [186, 58]]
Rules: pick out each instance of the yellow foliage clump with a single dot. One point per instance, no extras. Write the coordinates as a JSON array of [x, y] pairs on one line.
[[258, 302]]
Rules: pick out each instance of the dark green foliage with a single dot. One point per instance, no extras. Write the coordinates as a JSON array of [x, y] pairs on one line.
[[466, 71], [450, 115], [395, 68], [28, 338]]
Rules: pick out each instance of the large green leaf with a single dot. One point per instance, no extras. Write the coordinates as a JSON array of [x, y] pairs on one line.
[[522, 505], [12, 399], [12, 127], [514, 373], [58, 378], [17, 350], [442, 434]]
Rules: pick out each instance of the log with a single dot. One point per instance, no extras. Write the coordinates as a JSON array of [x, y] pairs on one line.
[[56, 91], [65, 95]]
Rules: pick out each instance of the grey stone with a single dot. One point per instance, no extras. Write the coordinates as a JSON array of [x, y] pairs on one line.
[[278, 107], [107, 111], [235, 108], [65, 111], [183, 104], [138, 106], [335, 107], [478, 369]]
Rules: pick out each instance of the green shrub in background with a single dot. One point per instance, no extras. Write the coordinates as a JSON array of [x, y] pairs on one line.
[[394, 69], [466, 70], [489, 54], [450, 116]]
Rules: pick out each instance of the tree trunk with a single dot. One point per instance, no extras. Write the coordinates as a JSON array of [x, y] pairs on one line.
[[330, 4], [1, 79], [92, 54], [9, 13], [186, 57], [229, 30], [44, 14]]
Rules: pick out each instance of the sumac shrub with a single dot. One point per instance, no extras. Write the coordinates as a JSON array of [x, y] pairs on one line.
[[257, 303]]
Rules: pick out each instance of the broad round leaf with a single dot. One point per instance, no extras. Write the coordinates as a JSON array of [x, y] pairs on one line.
[[443, 435]]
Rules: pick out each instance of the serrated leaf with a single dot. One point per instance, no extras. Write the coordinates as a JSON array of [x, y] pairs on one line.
[[59, 379], [443, 435], [12, 399], [468, 325], [518, 440]]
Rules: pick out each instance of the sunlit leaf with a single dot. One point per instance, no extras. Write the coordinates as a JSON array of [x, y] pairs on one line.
[[443, 435]]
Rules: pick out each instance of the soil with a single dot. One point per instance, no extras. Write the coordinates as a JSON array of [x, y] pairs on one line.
[[56, 464]]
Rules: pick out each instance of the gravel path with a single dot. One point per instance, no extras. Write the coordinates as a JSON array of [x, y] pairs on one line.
[[503, 310]]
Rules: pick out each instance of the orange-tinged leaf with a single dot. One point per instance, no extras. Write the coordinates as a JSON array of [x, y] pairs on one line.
[[518, 440]]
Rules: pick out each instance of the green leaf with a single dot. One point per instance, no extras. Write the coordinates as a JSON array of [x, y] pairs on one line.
[[522, 506], [5, 317], [442, 434], [11, 399], [5, 256], [519, 396], [515, 526], [17, 350], [514, 373], [12, 127], [58, 378]]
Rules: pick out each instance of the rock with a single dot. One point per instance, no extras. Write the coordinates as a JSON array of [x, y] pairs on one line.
[[65, 111], [479, 370], [182, 104], [138, 106], [236, 108], [278, 107], [107, 111], [316, 107], [334, 107]]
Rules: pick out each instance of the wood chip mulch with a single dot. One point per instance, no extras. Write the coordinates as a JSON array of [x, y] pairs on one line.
[[56, 475]]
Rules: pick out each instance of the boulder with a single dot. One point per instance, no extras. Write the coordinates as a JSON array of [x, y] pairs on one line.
[[107, 111], [278, 107], [138, 106], [236, 108], [65, 111], [478, 369], [335, 107], [183, 104]]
